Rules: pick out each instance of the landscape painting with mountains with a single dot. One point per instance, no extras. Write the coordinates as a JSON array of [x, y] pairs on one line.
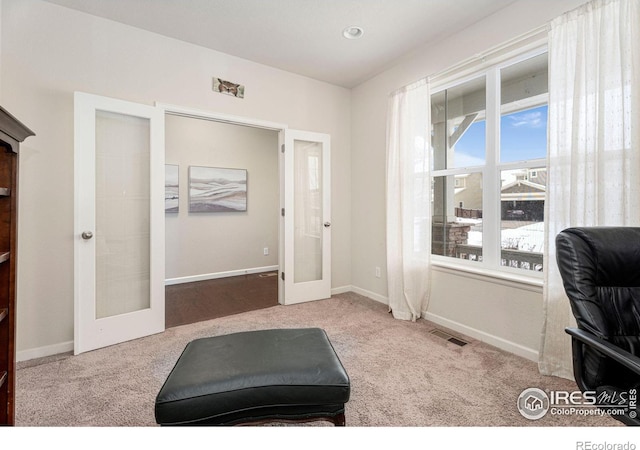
[[213, 189]]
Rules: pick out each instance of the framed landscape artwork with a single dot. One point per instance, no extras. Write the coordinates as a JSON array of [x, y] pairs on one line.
[[213, 189], [171, 188]]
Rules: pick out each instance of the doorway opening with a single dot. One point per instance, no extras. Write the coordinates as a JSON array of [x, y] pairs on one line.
[[222, 218], [205, 300]]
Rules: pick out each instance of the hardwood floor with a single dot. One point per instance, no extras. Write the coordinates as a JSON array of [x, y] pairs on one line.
[[204, 300]]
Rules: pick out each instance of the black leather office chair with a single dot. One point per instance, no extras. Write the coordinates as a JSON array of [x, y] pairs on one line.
[[600, 269]]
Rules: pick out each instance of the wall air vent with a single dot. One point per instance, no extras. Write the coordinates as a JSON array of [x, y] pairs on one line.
[[448, 337]]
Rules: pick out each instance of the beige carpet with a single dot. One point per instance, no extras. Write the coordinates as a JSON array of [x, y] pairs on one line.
[[401, 374]]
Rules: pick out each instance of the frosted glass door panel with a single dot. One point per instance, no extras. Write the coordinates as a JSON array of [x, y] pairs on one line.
[[122, 214], [308, 211]]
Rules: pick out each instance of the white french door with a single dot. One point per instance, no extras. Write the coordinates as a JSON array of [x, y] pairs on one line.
[[119, 221], [307, 218]]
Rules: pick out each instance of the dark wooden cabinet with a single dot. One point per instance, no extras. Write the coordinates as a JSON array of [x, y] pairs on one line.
[[12, 132]]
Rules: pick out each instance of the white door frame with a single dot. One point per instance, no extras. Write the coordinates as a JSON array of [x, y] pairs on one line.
[[238, 120], [288, 292]]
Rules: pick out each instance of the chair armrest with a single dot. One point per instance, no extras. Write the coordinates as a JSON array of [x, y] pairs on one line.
[[614, 352]]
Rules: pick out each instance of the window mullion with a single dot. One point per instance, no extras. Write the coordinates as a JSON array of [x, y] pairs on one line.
[[527, 164], [488, 188], [491, 177]]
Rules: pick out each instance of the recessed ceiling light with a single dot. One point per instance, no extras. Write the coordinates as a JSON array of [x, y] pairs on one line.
[[352, 32]]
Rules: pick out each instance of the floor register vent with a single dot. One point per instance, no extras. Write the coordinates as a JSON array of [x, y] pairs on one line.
[[269, 274], [447, 337]]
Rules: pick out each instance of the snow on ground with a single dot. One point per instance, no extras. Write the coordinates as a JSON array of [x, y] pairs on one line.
[[526, 238]]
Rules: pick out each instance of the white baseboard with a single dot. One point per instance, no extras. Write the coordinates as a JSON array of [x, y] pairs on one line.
[[41, 352], [340, 290], [496, 341], [371, 295], [213, 276]]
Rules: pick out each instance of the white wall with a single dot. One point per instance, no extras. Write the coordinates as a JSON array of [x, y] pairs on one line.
[[200, 245], [48, 52], [506, 315]]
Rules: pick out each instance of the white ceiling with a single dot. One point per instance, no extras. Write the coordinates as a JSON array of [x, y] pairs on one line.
[[301, 36]]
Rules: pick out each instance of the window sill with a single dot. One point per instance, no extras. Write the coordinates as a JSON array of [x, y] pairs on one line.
[[513, 280]]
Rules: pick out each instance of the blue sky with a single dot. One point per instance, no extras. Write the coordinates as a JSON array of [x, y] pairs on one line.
[[523, 136]]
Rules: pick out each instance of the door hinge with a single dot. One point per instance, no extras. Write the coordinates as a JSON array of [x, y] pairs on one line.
[[282, 212], [282, 148], [282, 275]]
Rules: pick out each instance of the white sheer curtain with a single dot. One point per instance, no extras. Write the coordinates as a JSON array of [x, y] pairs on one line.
[[408, 201], [594, 143]]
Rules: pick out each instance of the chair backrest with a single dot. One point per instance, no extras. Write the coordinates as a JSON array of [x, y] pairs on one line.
[[600, 269]]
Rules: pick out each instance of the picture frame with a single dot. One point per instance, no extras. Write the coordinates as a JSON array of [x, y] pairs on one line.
[[228, 87], [217, 189], [171, 188]]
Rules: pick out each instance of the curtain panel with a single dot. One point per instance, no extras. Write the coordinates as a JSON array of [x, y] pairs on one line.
[[594, 144], [408, 201]]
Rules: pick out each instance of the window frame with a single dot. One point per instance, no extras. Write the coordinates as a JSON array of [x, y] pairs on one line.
[[490, 67]]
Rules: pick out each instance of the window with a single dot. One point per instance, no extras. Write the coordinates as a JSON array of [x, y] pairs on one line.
[[489, 147]]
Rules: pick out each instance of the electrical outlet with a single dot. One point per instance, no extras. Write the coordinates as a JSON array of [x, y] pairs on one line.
[[377, 272], [266, 251]]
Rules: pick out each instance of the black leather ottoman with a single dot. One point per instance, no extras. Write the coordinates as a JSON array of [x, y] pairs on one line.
[[255, 377]]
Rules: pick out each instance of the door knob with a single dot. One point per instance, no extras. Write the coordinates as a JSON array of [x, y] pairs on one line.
[[87, 235], [327, 224]]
